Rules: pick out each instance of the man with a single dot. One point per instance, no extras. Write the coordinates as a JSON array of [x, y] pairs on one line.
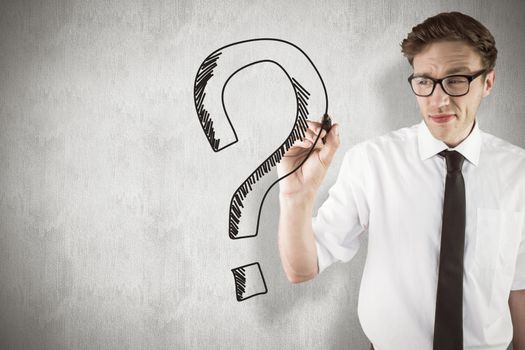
[[443, 204]]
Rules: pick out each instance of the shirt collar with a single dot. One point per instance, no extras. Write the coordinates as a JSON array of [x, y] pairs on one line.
[[430, 146]]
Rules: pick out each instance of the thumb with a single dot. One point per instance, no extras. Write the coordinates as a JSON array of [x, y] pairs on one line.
[[330, 147]]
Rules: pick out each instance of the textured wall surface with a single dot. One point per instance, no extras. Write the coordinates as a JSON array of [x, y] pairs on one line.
[[113, 207]]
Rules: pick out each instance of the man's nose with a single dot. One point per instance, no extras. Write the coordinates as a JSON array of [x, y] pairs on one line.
[[439, 97]]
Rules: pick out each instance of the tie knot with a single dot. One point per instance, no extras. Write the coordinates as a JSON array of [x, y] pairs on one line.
[[454, 160]]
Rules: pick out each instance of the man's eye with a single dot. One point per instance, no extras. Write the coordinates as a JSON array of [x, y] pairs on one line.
[[424, 82], [455, 81]]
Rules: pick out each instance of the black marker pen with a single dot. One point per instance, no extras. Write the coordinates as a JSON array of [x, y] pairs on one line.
[[326, 124]]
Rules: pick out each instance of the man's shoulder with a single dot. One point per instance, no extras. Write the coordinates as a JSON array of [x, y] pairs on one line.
[[397, 140], [497, 146]]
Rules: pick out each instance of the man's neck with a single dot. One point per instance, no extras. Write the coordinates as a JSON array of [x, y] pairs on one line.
[[464, 138]]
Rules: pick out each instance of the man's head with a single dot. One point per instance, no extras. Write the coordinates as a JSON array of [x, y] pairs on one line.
[[443, 45]]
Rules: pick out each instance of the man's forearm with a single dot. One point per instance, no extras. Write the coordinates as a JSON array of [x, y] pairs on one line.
[[296, 238], [517, 311]]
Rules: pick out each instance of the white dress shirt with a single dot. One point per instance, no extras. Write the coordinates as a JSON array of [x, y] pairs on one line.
[[392, 187]]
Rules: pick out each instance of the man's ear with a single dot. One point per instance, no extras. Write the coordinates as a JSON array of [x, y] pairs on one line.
[[489, 82]]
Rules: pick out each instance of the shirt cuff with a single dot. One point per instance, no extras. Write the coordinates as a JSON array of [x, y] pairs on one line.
[[323, 257], [518, 285]]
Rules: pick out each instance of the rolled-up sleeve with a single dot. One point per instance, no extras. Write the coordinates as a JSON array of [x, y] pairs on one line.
[[344, 215]]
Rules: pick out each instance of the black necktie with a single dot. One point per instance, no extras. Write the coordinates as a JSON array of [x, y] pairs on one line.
[[448, 326]]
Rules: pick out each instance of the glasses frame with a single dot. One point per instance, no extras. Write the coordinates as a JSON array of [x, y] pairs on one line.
[[440, 82]]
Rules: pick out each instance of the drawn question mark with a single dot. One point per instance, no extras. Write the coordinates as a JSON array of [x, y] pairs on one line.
[[311, 98]]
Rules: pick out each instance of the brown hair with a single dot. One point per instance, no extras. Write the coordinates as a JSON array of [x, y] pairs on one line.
[[451, 26]]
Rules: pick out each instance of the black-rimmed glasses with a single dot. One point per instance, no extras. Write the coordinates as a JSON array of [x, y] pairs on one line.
[[453, 85]]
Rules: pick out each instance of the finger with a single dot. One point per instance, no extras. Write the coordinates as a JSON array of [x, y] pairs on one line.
[[310, 135], [315, 126], [331, 145], [301, 144], [306, 143], [314, 137], [298, 153], [299, 149]]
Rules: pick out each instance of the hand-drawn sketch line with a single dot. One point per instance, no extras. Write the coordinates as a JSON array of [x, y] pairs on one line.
[[203, 77], [209, 116], [297, 133], [239, 275]]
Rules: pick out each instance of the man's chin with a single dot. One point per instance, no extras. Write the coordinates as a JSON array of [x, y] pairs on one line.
[[440, 133]]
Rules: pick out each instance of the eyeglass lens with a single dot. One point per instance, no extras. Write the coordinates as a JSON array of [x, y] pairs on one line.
[[454, 85]]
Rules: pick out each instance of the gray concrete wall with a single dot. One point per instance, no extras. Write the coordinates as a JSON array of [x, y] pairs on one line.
[[113, 207]]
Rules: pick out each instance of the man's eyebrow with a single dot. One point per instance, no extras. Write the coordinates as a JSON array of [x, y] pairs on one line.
[[455, 70], [463, 69]]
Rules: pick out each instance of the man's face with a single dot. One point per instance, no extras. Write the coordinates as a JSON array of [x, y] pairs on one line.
[[450, 119]]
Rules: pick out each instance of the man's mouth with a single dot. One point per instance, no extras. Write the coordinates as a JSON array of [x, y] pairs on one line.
[[442, 118]]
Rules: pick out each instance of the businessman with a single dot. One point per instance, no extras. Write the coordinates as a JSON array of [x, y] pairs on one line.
[[442, 202]]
